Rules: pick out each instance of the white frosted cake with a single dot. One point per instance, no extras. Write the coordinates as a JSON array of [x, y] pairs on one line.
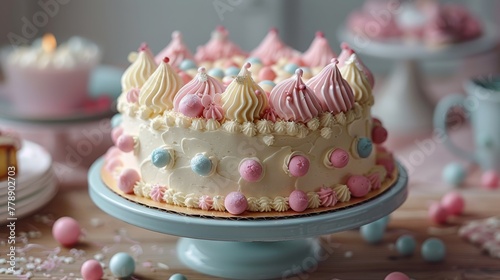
[[285, 134]]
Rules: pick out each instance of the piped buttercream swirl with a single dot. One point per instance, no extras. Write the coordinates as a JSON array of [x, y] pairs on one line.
[[353, 74], [293, 100], [244, 100], [139, 71], [159, 90], [344, 56], [327, 197], [343, 193]]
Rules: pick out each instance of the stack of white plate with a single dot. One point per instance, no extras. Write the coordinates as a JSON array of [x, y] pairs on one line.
[[35, 183]]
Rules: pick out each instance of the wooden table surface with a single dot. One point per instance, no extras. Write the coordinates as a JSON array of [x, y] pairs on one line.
[[348, 256]]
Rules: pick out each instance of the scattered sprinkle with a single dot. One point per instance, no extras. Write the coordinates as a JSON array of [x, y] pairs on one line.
[[163, 266]]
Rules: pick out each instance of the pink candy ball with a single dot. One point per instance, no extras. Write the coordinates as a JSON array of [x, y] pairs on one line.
[[267, 74], [453, 203], [438, 214], [185, 77], [127, 180], [298, 201], [66, 231], [251, 170], [379, 134], [191, 106], [235, 203], [91, 270], [397, 276], [358, 185], [125, 143], [298, 166], [113, 163], [490, 180], [339, 158], [116, 133]]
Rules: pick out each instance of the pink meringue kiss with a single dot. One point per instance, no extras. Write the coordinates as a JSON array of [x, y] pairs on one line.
[[453, 203], [339, 158], [298, 201], [235, 203], [127, 180], [358, 185]]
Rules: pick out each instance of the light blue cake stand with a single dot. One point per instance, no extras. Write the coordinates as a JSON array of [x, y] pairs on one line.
[[247, 249]]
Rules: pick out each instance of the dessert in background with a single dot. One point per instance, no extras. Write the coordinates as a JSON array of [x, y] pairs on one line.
[[10, 144]]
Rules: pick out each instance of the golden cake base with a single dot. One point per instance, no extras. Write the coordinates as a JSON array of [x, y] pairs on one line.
[[111, 183]]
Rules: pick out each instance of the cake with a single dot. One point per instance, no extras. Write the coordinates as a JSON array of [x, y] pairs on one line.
[[10, 143], [271, 133]]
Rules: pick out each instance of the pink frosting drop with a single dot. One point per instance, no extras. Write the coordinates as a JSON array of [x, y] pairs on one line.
[[125, 143], [327, 197], [319, 53], [213, 108], [298, 201], [396, 276], [191, 106], [374, 180], [251, 170], [133, 95], [339, 158], [453, 203], [358, 185], [113, 163], [490, 179], [127, 180], [236, 203], [379, 134], [157, 193], [267, 74], [388, 164], [66, 231], [298, 166], [176, 50], [205, 202], [91, 270], [346, 53], [116, 133], [438, 213], [292, 100]]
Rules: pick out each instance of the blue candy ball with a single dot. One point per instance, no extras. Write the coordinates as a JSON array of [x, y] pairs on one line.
[[406, 245], [365, 147], [122, 265], [116, 120], [201, 165], [232, 71], [216, 72], [433, 250], [177, 276], [187, 64], [267, 82], [291, 68], [160, 157], [373, 232], [253, 60], [454, 174]]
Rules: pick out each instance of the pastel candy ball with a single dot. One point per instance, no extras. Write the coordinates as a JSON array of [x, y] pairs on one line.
[[127, 180], [201, 165], [125, 143], [298, 166], [235, 203], [396, 276], [453, 203], [454, 174], [160, 157], [373, 232], [364, 147], [267, 74], [253, 60], [187, 64], [66, 231], [438, 214], [116, 133], [122, 265], [251, 170], [433, 250], [91, 270], [490, 180], [405, 245], [216, 72], [177, 276], [339, 158], [191, 106], [387, 163], [298, 201], [379, 134], [232, 71], [358, 185], [291, 68], [116, 120]]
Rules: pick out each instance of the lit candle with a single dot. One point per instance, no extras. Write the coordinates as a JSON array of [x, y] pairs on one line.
[[45, 79]]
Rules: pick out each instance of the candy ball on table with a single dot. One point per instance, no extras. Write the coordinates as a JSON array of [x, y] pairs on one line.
[[438, 213], [66, 231], [396, 276], [91, 270], [405, 245], [433, 250], [373, 232], [453, 203], [454, 174], [490, 179], [177, 276], [122, 265]]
